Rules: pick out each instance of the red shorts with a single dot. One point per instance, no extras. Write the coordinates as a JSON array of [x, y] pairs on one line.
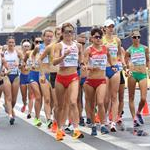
[[95, 82], [65, 80]]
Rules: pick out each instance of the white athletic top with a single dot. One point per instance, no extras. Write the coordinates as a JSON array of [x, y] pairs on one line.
[[41, 50], [70, 60], [0, 63], [12, 61]]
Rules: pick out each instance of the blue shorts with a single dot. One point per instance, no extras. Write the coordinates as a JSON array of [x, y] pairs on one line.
[[78, 72], [12, 77], [24, 79], [47, 76], [110, 72], [82, 81], [34, 76]]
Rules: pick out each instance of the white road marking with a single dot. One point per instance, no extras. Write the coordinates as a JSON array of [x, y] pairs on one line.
[[68, 140], [77, 144], [144, 145], [113, 140]]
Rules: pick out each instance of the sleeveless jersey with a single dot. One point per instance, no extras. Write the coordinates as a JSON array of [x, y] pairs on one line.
[[112, 47], [70, 60], [12, 61], [98, 58], [41, 50], [33, 62], [137, 55], [0, 63]]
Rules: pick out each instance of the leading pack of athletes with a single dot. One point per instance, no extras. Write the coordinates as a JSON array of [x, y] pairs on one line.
[[73, 82]]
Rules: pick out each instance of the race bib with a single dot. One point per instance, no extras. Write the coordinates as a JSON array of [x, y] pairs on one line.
[[99, 61], [71, 59], [12, 65], [113, 51], [138, 59]]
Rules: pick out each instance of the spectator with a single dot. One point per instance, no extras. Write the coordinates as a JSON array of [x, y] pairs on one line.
[[140, 15], [134, 15]]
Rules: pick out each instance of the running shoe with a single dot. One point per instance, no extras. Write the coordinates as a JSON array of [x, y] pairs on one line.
[[81, 122], [136, 124], [37, 122], [139, 132], [28, 116], [140, 118], [63, 132], [23, 109], [69, 129], [122, 114], [119, 120], [49, 123], [97, 119], [88, 121], [113, 127], [120, 125], [94, 131], [12, 120], [77, 134], [59, 135], [104, 130], [54, 127]]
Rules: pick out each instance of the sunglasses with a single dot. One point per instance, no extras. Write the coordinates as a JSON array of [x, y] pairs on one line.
[[68, 31], [82, 43], [136, 37], [97, 37], [38, 42], [111, 26], [26, 46]]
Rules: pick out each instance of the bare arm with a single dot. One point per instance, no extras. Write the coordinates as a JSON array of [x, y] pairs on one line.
[[127, 58], [86, 56], [4, 63], [147, 57], [26, 56], [121, 52], [81, 56], [57, 55]]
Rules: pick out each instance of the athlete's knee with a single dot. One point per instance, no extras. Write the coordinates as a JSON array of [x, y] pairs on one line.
[[73, 104], [100, 104], [47, 101], [114, 98], [38, 98]]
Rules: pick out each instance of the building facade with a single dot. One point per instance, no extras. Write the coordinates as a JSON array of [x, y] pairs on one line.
[[88, 12], [148, 7], [7, 16]]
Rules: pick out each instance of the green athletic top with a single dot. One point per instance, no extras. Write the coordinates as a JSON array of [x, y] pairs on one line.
[[137, 55]]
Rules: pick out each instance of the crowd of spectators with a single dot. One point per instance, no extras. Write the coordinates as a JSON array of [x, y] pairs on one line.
[[129, 22]]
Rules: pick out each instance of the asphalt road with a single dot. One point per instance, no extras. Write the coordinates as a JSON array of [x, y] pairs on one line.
[[24, 136]]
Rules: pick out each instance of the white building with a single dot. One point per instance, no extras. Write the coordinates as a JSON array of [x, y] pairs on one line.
[[7, 16], [148, 7], [89, 12]]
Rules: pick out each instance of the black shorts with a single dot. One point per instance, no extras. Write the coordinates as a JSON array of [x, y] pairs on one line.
[[52, 78], [1, 82], [122, 80]]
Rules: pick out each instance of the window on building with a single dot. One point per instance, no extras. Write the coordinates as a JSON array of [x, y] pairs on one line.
[[8, 16]]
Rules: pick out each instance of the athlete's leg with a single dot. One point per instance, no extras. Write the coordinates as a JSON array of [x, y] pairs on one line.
[[121, 99], [131, 89]]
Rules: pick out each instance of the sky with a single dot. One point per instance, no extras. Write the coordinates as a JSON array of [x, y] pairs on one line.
[[26, 10]]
